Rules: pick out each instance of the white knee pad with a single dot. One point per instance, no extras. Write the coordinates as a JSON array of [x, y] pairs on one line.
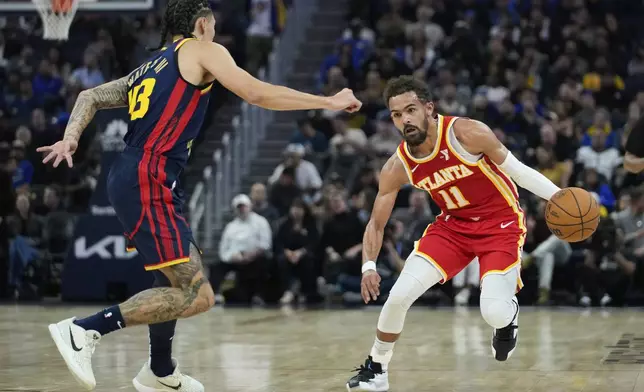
[[498, 313], [497, 292], [417, 276]]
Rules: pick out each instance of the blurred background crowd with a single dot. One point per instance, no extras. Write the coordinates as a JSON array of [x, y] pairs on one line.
[[559, 81]]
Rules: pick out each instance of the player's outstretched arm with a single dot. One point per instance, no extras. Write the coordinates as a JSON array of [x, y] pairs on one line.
[[392, 177], [217, 60], [106, 96], [478, 138]]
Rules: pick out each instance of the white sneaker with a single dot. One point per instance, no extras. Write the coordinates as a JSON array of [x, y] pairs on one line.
[[606, 300], [146, 381], [76, 345], [370, 378]]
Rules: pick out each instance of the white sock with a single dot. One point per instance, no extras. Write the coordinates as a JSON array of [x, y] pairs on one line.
[[381, 352]]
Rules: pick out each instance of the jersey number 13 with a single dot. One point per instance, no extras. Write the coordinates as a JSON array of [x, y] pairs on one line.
[[139, 98]]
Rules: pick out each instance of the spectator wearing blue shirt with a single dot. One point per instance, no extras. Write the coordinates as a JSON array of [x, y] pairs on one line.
[[89, 75], [312, 140], [46, 84], [24, 172], [22, 106]]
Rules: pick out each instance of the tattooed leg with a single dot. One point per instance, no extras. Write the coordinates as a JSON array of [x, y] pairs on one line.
[[191, 294]]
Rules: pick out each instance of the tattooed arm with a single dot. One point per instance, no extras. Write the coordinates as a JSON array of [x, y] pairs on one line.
[[106, 96]]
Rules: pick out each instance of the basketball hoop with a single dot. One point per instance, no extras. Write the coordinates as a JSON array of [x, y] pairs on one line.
[[57, 16]]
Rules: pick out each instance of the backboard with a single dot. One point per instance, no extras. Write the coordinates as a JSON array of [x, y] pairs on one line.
[[85, 5]]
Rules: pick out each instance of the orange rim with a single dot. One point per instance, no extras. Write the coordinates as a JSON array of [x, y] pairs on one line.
[[61, 5]]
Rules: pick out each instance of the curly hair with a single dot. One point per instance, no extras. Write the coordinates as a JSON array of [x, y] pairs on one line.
[[404, 84], [180, 17]]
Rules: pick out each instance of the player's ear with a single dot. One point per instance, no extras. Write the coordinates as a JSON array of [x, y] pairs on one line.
[[429, 107]]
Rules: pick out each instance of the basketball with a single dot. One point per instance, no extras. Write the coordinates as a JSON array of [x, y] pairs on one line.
[[572, 214]]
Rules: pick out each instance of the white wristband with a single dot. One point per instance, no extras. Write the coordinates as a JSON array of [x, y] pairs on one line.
[[369, 265]]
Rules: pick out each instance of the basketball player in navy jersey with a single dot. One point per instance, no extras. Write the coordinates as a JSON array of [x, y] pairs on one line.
[[167, 98]]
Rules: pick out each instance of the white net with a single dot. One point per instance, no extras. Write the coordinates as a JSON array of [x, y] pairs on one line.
[[57, 16]]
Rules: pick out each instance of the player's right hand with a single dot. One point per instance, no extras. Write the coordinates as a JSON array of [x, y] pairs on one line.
[[370, 286], [345, 100], [63, 149]]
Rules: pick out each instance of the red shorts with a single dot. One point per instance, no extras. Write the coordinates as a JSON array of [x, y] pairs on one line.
[[451, 244]]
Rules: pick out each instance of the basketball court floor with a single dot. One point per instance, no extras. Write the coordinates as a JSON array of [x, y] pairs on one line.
[[443, 350]]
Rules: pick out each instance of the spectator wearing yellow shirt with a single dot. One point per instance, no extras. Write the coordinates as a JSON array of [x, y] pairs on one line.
[[604, 83], [548, 166]]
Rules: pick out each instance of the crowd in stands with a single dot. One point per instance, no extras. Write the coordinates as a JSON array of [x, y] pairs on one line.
[[39, 83], [560, 82]]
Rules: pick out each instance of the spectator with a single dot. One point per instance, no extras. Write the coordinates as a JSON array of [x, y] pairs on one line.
[[46, 84], [7, 203], [29, 225], [341, 241], [599, 157], [244, 248], [390, 263], [607, 270], [347, 141], [601, 123], [89, 75], [307, 177], [314, 141], [24, 170], [25, 102], [295, 244], [631, 223], [259, 36], [416, 217], [386, 139], [261, 206], [591, 182], [549, 167], [284, 191], [448, 104]]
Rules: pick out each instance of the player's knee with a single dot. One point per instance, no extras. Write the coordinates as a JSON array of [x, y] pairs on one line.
[[498, 313], [399, 303]]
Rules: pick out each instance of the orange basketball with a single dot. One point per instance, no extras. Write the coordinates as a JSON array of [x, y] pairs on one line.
[[572, 214]]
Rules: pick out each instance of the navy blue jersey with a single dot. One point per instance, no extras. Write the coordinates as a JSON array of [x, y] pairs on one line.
[[166, 112]]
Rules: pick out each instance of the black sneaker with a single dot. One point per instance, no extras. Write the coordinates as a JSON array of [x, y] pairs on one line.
[[370, 378], [505, 339]]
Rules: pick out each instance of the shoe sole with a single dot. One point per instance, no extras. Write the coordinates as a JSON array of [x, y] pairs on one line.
[[71, 365], [509, 354], [142, 388], [361, 390]]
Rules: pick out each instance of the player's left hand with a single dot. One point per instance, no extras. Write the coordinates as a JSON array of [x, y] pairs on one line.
[[370, 286], [345, 100], [63, 149]]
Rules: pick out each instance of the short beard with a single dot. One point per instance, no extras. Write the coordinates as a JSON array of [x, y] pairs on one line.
[[418, 138]]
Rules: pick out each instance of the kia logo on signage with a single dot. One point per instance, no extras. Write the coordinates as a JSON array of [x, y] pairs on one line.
[[110, 247]]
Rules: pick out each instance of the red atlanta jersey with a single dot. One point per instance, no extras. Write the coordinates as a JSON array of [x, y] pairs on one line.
[[462, 189]]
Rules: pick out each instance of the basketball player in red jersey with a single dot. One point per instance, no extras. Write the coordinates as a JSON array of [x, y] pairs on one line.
[[469, 174], [167, 98]]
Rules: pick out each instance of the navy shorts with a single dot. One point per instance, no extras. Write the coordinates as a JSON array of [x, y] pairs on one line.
[[141, 188]]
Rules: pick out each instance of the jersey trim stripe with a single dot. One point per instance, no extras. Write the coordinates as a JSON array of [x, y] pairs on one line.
[[207, 89], [165, 264], [167, 115], [167, 199], [452, 149], [167, 246], [505, 190], [401, 156], [437, 145], [144, 183], [173, 135], [431, 261], [183, 41]]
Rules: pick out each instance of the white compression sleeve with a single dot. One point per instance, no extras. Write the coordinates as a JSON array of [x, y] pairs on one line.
[[528, 178]]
